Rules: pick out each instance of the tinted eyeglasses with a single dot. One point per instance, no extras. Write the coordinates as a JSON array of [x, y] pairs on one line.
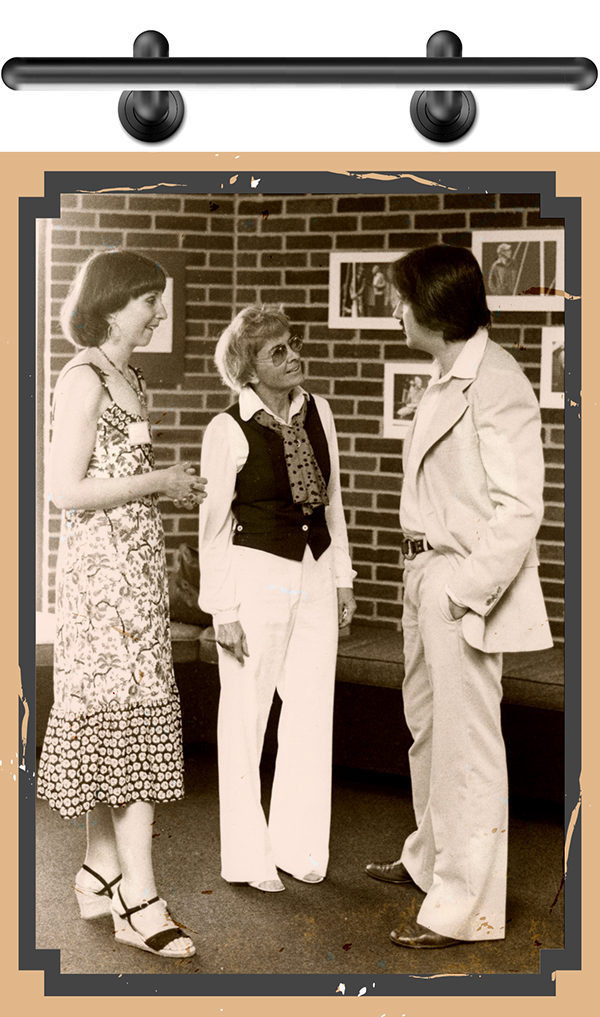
[[278, 354]]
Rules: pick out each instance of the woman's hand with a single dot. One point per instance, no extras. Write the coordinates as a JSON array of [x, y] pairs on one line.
[[182, 486], [231, 637], [346, 605]]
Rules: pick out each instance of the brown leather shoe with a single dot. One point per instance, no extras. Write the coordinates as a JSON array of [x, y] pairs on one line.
[[389, 872], [417, 937]]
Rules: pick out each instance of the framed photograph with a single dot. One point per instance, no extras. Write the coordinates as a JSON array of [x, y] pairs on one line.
[[404, 385], [523, 269], [552, 374], [361, 289], [163, 360]]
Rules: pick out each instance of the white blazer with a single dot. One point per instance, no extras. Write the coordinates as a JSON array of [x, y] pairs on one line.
[[479, 485]]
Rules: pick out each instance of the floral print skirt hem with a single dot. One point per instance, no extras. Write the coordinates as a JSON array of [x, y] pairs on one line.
[[116, 755]]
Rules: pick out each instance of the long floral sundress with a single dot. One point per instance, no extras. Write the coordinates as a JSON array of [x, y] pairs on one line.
[[114, 732]]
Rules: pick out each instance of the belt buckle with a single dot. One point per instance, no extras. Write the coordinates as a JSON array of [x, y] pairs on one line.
[[411, 544]]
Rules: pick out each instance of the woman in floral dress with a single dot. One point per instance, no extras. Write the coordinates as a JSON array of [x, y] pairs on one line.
[[113, 746]]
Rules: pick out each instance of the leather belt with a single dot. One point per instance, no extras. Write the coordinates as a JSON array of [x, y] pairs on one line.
[[411, 548]]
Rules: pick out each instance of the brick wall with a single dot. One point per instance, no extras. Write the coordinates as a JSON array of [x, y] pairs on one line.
[[247, 248]]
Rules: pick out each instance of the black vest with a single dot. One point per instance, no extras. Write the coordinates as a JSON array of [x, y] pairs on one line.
[[266, 516]]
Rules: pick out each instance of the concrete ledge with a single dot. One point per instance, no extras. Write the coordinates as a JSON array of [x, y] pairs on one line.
[[370, 731], [371, 656]]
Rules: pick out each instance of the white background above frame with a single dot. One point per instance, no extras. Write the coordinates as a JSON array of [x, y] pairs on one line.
[[308, 118]]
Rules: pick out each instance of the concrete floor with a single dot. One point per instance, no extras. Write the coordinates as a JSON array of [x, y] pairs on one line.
[[339, 927]]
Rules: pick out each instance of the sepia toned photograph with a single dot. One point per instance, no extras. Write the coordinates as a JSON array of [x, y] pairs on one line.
[[233, 770], [404, 386], [521, 268], [362, 291]]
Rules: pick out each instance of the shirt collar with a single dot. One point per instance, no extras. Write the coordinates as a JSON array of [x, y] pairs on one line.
[[467, 363], [250, 402]]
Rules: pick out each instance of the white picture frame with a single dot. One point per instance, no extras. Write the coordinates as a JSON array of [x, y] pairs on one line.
[[523, 270], [552, 375], [404, 382], [361, 289]]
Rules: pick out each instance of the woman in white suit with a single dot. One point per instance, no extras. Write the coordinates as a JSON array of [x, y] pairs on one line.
[[277, 578]]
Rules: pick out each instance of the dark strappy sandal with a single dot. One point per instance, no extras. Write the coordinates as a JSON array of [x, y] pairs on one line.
[[93, 903], [168, 932]]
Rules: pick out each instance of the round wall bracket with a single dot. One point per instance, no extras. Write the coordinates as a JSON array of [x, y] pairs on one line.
[[442, 130], [151, 129], [443, 116], [151, 116]]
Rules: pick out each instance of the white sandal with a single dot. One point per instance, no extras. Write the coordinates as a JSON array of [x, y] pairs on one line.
[[168, 932], [93, 903]]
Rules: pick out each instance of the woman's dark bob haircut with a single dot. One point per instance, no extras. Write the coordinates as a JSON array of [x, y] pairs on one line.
[[106, 284], [445, 289]]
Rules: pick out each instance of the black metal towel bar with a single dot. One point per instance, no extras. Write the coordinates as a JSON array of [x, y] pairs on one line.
[[155, 115]]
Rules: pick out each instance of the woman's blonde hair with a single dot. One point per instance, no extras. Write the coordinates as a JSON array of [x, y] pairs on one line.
[[235, 355]]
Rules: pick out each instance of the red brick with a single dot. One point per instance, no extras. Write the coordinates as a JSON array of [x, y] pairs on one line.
[[207, 242], [377, 591], [496, 220], [378, 520], [153, 203], [358, 463], [260, 243], [152, 240], [389, 610], [368, 241], [468, 201], [414, 202], [283, 259], [116, 221], [358, 387], [213, 205], [283, 225], [307, 278], [102, 201], [363, 203], [385, 222], [370, 408], [210, 276], [221, 259], [535, 221], [335, 224], [388, 575], [337, 369], [310, 205], [410, 240], [376, 482], [309, 242], [258, 205], [358, 499]]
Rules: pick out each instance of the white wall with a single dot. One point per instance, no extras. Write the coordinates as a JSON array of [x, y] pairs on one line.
[[271, 119]]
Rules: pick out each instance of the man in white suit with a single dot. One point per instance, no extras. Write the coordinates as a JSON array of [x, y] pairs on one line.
[[472, 502]]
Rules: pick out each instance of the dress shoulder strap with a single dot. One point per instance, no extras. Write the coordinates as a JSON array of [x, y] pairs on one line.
[[97, 370]]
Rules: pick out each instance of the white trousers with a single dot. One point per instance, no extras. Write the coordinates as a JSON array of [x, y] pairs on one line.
[[452, 694], [288, 611]]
